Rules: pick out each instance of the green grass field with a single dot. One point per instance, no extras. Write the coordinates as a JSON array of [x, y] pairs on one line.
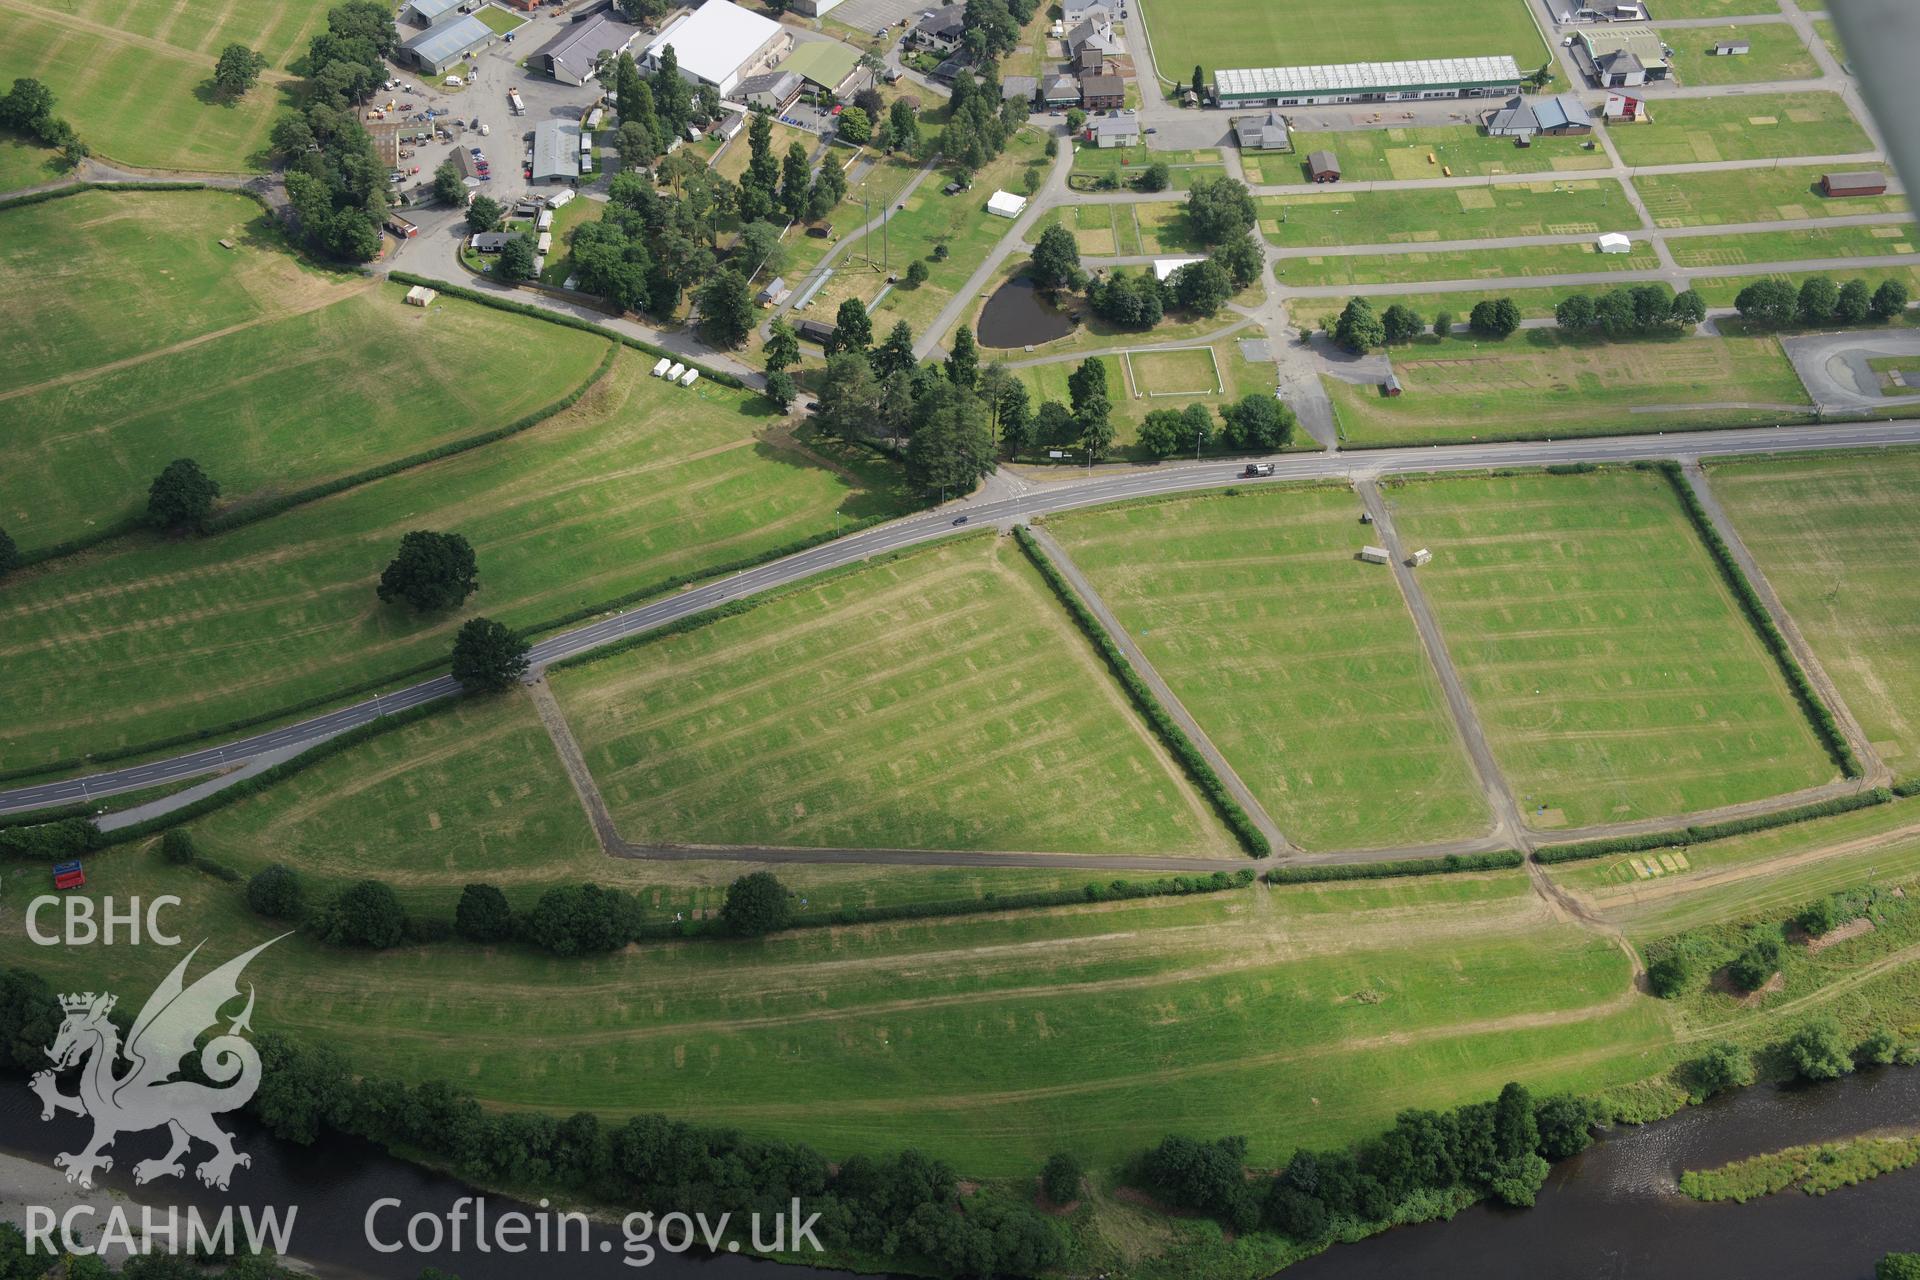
[[1612, 672], [1247, 33], [1778, 53], [991, 1041], [637, 482], [1717, 197], [1122, 164], [941, 701], [1131, 403], [133, 79], [1429, 151], [1833, 534], [242, 341], [1715, 8], [1891, 240], [1703, 130], [1541, 382], [1300, 662], [1414, 266], [26, 164], [1556, 207]]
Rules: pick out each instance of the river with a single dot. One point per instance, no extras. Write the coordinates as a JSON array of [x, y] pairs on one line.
[[1611, 1212]]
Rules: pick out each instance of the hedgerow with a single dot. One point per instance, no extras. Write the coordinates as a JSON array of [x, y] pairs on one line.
[[1502, 860], [1156, 716], [1700, 833]]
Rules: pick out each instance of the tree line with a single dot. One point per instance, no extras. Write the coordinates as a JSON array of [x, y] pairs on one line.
[[27, 108], [335, 181], [1773, 303]]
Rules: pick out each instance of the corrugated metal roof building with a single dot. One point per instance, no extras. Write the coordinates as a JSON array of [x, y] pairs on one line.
[[437, 48], [1367, 81]]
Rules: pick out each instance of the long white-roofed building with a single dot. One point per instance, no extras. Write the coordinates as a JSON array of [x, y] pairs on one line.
[[720, 44], [1427, 78]]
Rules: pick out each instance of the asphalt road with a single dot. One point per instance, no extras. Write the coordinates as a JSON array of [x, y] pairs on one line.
[[1101, 486]]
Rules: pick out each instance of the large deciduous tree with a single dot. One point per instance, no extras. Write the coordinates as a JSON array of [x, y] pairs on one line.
[[237, 70], [487, 657], [431, 571], [181, 496], [756, 905]]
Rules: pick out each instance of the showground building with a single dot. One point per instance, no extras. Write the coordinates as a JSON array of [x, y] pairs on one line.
[[1418, 81]]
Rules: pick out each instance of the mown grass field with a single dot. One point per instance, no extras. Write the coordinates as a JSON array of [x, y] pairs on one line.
[[1611, 669], [1168, 373], [134, 79], [990, 1041], [1703, 130], [940, 701], [1414, 266], [1807, 245], [1123, 164], [477, 793], [1561, 207], [1833, 535], [1718, 197], [1777, 53], [272, 377], [1429, 151], [26, 164], [1300, 662], [1715, 8], [636, 483], [1248, 33], [1542, 382]]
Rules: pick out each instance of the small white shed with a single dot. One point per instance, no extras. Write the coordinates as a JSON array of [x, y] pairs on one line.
[[1614, 242], [1375, 555], [690, 377], [661, 366], [1005, 204], [420, 295], [673, 374]]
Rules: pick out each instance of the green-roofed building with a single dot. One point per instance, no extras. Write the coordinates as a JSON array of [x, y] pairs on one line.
[[826, 64]]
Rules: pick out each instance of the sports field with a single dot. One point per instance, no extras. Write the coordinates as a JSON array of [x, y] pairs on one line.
[[1799, 245], [1715, 197], [1252, 33], [1300, 662], [1835, 536], [133, 79], [1777, 54], [1561, 207], [1610, 667], [1703, 130], [989, 1041], [1542, 383], [241, 341], [636, 483], [942, 701], [1413, 266], [1430, 151]]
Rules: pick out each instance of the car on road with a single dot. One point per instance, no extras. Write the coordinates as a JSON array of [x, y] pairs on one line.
[[959, 519], [1258, 469]]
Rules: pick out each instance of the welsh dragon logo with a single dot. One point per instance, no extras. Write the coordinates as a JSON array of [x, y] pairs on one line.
[[145, 1095]]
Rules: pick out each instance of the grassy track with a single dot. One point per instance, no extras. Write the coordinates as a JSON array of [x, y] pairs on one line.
[[1778, 53], [1299, 662], [1415, 266], [1690, 130], [1833, 536], [636, 483], [241, 395], [1614, 676], [1714, 198], [1557, 207], [941, 701], [1544, 382], [990, 1042], [1250, 33], [1423, 152]]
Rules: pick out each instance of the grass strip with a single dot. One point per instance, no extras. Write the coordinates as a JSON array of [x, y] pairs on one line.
[[1703, 832], [1198, 770], [1502, 860]]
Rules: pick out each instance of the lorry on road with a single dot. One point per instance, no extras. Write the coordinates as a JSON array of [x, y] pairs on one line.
[[1258, 469], [513, 100]]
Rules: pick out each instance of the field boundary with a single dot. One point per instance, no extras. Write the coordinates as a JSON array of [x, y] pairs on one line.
[[1705, 833]]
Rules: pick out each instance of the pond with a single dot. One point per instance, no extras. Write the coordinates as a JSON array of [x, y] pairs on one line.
[[1017, 316]]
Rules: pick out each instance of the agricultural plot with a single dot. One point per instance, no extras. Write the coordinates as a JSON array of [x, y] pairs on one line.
[[1246, 33], [940, 701], [1718, 197], [1414, 266], [636, 483], [1564, 208], [1300, 662], [1099, 230], [1545, 383], [132, 79], [1614, 674], [1716, 8], [989, 1042], [1891, 240], [1777, 54], [1705, 130], [1433, 151], [1121, 165], [1832, 535], [1190, 372], [1138, 389]]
